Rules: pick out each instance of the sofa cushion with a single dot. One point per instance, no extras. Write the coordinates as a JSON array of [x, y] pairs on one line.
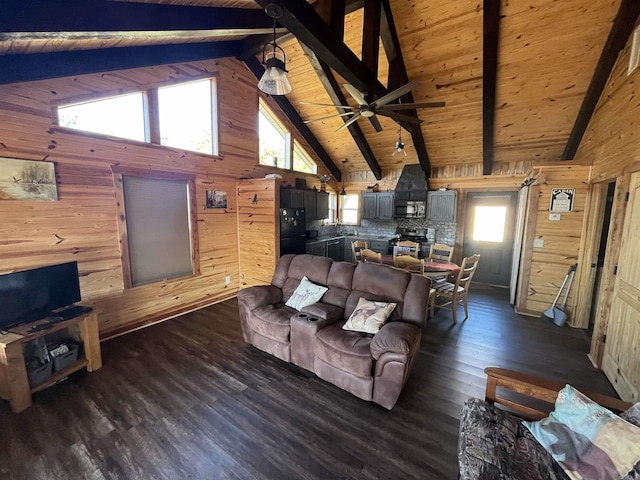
[[272, 321], [348, 351], [494, 444], [588, 441], [369, 316], [307, 293]]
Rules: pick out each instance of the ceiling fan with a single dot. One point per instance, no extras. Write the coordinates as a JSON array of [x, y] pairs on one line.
[[380, 106]]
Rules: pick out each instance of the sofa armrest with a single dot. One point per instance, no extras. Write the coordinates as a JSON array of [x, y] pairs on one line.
[[537, 388], [324, 311], [259, 296], [394, 337]]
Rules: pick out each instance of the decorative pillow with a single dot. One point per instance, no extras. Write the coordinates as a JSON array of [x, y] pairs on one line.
[[369, 316], [587, 440], [306, 294]]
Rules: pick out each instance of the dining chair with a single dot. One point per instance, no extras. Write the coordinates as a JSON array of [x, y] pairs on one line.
[[439, 252], [407, 247], [450, 295], [367, 255], [409, 263], [356, 248]]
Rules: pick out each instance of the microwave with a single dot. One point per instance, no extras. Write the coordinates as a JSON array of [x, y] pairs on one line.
[[410, 209]]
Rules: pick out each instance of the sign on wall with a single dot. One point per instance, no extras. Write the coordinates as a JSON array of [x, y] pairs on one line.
[[562, 199]]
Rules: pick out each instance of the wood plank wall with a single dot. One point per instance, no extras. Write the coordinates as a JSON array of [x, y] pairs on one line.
[[258, 230], [82, 225], [612, 143]]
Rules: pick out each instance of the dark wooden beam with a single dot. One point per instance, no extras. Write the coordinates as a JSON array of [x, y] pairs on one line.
[[336, 20], [105, 16], [41, 66], [397, 77], [328, 80], [309, 28], [620, 31], [257, 69], [491, 29], [371, 35], [252, 46]]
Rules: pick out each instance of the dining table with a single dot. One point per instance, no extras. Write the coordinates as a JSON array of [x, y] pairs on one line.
[[439, 269]]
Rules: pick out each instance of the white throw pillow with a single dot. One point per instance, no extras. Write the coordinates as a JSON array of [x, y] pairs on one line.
[[306, 294], [369, 316]]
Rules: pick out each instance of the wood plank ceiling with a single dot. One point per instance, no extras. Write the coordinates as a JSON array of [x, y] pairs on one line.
[[548, 51]]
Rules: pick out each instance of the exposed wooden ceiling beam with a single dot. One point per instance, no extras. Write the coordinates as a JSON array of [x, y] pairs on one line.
[[41, 66], [109, 16], [328, 80], [398, 76], [371, 34], [491, 29], [257, 69], [623, 24]]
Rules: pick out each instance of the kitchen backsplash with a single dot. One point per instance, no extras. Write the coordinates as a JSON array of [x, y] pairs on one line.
[[445, 231]]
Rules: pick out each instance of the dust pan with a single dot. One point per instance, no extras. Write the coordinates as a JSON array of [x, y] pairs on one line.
[[557, 313]]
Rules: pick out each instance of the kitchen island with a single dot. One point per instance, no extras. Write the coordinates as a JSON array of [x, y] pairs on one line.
[[338, 247]]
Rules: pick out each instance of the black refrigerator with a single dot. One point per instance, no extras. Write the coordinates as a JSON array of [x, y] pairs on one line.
[[292, 231]]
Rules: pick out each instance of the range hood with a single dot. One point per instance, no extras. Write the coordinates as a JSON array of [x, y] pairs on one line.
[[412, 185]]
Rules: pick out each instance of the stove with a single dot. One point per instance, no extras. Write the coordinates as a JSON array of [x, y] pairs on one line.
[[423, 236]]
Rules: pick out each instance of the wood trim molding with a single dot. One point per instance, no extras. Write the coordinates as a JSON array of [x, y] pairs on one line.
[[588, 257], [123, 238], [149, 173], [531, 220]]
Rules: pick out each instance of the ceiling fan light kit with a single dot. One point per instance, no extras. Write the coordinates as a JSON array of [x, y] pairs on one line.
[[274, 81]]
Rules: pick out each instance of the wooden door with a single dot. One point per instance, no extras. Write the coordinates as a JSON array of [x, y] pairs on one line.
[[621, 361], [490, 232]]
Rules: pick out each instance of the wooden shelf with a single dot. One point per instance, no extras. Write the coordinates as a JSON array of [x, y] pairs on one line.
[[57, 376], [14, 382]]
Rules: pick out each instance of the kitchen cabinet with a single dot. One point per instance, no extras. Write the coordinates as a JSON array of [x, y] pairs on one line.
[[319, 249], [380, 246], [316, 204], [441, 205], [322, 205], [310, 204], [377, 206], [291, 198]]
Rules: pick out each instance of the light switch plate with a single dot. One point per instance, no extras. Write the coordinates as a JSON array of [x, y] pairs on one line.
[[554, 216], [538, 242]]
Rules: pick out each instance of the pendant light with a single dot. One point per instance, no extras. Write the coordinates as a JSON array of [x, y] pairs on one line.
[[274, 81], [343, 193]]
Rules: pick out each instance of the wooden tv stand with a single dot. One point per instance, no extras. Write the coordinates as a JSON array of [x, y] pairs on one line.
[[14, 382]]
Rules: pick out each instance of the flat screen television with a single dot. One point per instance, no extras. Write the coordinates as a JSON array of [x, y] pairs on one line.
[[29, 295]]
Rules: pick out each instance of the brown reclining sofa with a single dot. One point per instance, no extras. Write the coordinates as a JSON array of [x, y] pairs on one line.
[[371, 367]]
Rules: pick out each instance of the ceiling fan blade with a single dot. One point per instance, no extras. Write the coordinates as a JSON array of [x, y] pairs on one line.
[[349, 122], [357, 96], [376, 123], [410, 106], [349, 107], [397, 93], [330, 116], [399, 117]]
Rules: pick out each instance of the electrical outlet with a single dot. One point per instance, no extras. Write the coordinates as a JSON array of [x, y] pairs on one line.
[[554, 216], [227, 279], [538, 242]]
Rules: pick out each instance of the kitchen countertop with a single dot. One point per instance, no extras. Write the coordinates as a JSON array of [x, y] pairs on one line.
[[326, 238]]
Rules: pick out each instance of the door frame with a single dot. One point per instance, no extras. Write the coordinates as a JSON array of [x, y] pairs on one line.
[[612, 254]]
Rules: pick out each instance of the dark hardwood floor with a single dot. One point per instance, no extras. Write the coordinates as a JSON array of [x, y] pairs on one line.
[[189, 399]]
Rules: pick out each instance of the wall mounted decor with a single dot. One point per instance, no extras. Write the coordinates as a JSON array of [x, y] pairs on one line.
[[27, 180], [216, 199]]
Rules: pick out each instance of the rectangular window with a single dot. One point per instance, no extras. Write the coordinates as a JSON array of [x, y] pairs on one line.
[[349, 205], [123, 116], [158, 229], [332, 208], [183, 115], [489, 223]]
